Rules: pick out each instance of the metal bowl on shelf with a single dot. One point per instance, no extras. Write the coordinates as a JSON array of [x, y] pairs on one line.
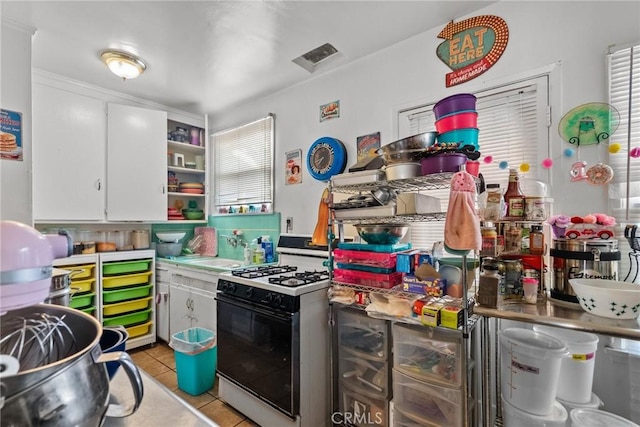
[[407, 150], [382, 234]]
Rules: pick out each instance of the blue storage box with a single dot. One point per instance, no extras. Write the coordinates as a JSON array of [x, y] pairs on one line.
[[408, 261]]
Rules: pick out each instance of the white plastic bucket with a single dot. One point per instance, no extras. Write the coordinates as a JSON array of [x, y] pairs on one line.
[[530, 369], [576, 371], [514, 417], [595, 418]]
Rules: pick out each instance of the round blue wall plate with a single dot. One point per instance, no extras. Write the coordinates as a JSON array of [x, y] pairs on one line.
[[326, 157]]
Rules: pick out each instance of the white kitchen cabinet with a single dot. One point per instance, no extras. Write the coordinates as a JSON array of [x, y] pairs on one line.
[[192, 300], [69, 142], [164, 272], [98, 156], [136, 161]]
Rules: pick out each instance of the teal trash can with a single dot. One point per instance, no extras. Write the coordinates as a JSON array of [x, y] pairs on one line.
[[196, 355]]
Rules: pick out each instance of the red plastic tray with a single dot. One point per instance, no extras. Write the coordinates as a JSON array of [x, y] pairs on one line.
[[365, 278], [373, 259]]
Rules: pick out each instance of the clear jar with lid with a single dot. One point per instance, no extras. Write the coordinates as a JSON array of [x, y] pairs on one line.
[[489, 240], [512, 238], [512, 278], [493, 209], [489, 286]]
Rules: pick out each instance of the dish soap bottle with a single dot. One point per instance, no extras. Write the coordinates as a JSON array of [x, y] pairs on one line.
[[247, 254], [258, 252]]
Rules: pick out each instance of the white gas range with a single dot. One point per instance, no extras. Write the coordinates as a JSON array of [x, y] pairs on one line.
[[273, 337]]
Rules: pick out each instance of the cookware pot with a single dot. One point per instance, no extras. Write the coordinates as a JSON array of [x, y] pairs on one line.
[[582, 259], [73, 390], [384, 195]]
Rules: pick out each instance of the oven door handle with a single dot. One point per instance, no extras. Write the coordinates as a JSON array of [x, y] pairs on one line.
[[279, 314]]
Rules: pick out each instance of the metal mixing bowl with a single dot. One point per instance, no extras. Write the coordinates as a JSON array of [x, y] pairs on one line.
[[382, 234], [407, 150]]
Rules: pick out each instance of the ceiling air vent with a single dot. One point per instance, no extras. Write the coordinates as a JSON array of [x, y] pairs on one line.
[[312, 59]]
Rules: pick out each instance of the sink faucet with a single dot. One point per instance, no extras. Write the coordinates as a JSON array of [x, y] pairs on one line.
[[231, 240], [235, 240]]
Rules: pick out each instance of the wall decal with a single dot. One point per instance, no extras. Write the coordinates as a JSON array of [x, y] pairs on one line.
[[472, 46], [293, 170], [10, 135], [367, 145], [330, 111]]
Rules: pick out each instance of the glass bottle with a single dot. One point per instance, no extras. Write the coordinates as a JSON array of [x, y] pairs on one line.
[[514, 197], [536, 240]]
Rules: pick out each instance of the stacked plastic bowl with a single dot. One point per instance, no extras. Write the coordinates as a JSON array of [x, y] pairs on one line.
[[457, 120]]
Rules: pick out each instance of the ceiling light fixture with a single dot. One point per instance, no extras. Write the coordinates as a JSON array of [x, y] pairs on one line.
[[123, 64]]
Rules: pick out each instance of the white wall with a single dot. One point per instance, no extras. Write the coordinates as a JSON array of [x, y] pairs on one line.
[[573, 35], [15, 95]]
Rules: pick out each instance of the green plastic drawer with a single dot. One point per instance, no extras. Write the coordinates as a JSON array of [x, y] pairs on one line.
[[125, 294], [126, 267], [128, 319], [82, 300]]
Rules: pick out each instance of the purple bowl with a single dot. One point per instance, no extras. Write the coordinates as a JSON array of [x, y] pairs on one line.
[[445, 162], [453, 103]]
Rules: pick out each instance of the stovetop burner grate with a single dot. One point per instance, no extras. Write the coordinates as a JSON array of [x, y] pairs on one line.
[[300, 278], [262, 271]]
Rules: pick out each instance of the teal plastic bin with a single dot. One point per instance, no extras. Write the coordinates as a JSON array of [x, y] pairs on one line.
[[196, 355]]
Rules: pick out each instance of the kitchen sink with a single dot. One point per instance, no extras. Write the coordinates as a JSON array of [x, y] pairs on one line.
[[211, 262]]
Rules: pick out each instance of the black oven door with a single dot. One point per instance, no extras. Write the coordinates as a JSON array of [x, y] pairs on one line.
[[258, 350]]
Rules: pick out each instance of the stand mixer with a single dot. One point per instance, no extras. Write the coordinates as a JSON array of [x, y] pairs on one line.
[[633, 237]]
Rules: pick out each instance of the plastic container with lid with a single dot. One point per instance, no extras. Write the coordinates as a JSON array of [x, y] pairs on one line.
[[514, 417], [587, 417], [576, 375], [530, 369]]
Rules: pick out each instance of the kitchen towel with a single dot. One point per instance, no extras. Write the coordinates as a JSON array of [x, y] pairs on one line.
[[462, 223]]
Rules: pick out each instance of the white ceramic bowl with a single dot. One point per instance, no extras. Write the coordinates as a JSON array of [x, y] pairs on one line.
[[170, 236], [608, 298]]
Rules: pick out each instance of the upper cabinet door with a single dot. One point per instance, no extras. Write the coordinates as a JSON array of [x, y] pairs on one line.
[[69, 137], [136, 164]]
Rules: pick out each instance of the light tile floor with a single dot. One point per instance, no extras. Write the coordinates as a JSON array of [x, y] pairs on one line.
[[158, 361]]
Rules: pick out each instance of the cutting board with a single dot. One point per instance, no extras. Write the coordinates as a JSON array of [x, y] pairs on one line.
[[209, 246]]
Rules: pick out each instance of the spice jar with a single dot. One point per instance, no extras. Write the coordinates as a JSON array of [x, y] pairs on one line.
[[513, 238]]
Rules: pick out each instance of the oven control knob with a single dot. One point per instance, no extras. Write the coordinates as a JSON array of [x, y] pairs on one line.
[[278, 299], [232, 287], [249, 292], [224, 287], [269, 297]]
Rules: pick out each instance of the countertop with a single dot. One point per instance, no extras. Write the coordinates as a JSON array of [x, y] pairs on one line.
[[214, 264], [557, 313], [159, 406]]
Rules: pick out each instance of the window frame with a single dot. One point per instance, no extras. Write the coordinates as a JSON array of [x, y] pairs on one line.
[[245, 138]]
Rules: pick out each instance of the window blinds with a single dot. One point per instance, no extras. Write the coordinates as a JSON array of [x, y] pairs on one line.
[[513, 128], [624, 95], [243, 164]]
